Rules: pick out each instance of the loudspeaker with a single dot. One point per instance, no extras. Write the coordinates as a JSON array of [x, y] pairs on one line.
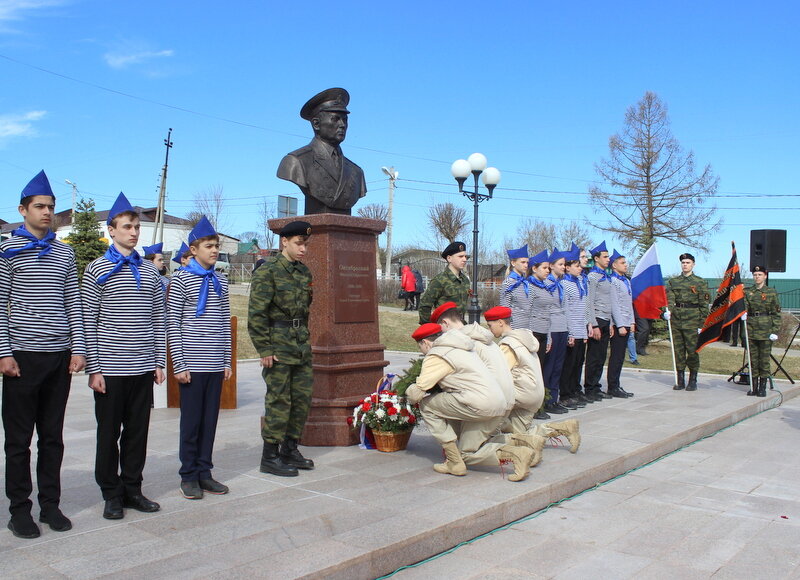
[[768, 249]]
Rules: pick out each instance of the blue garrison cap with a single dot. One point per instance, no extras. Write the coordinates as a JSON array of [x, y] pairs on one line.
[[573, 255], [39, 185], [518, 253], [120, 205], [555, 255], [154, 249], [601, 247], [183, 249], [615, 256], [574, 249], [539, 258], [201, 230]]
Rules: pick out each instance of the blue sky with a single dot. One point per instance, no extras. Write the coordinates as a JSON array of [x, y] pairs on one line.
[[537, 87]]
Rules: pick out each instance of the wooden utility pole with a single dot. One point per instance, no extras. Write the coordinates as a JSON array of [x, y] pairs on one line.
[[158, 230]]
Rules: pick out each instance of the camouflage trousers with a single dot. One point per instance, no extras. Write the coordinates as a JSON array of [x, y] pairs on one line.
[[759, 356], [685, 343], [287, 401]]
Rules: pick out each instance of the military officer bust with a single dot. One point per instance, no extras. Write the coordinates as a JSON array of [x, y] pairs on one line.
[[331, 182]]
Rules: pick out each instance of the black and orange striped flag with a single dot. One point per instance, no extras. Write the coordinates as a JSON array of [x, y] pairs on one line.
[[728, 306]]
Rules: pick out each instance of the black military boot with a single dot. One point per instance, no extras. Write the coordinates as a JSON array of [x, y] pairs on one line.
[[754, 381], [762, 387], [272, 463], [681, 384], [292, 456], [692, 384]]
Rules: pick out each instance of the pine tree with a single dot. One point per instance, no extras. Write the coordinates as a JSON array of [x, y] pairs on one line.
[[85, 237]]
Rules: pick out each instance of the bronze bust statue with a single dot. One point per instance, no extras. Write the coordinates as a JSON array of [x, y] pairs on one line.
[[330, 181]]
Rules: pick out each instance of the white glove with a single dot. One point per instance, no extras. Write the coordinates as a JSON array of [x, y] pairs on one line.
[[744, 316], [667, 315], [773, 337], [699, 330]]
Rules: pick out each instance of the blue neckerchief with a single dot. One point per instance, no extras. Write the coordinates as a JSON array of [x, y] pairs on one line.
[[113, 256], [624, 279], [44, 244], [558, 286], [602, 272], [194, 268], [519, 280], [541, 284], [579, 282]]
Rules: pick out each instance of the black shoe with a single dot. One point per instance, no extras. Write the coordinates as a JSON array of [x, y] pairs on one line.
[[569, 404], [636, 363], [680, 381], [603, 395], [619, 393], [113, 509], [191, 490], [575, 401], [211, 485], [23, 526], [555, 408], [272, 463], [290, 455], [57, 521], [580, 397], [541, 415], [140, 503], [692, 384], [762, 387]]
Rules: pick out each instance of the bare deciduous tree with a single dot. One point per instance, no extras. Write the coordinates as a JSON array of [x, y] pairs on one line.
[[448, 221], [540, 235], [211, 203], [650, 188], [266, 212], [374, 211]]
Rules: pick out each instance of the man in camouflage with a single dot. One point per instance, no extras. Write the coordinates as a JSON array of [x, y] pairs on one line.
[[280, 298], [688, 298], [452, 285], [763, 319]]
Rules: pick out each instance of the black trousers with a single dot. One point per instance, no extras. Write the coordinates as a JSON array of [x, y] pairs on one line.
[[35, 399], [120, 458], [573, 369], [619, 346], [642, 334], [596, 351], [199, 414]]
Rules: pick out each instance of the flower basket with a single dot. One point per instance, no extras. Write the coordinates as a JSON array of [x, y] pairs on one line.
[[388, 441]]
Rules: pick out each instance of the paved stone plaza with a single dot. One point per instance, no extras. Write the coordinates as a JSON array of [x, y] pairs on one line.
[[713, 508]]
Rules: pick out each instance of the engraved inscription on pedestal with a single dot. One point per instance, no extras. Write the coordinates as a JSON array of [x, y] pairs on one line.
[[354, 287]]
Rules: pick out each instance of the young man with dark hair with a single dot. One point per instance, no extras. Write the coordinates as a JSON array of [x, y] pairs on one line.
[[199, 337], [124, 315], [623, 322], [451, 285], [41, 344], [598, 304], [280, 300], [155, 254]]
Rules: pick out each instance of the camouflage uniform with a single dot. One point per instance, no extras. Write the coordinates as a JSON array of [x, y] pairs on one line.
[[688, 298], [763, 319], [444, 287], [280, 298]]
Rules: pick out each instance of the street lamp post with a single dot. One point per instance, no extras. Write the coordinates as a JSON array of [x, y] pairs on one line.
[[476, 165], [74, 191]]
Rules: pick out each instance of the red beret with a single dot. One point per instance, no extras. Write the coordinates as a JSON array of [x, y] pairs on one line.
[[441, 310], [426, 330], [497, 313]]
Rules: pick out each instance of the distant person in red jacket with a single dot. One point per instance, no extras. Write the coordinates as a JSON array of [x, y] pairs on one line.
[[408, 283]]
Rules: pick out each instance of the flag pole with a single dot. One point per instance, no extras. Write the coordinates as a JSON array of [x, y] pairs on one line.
[[672, 347]]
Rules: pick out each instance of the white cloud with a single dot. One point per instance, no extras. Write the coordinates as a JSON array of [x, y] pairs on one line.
[[16, 10], [20, 125], [121, 59]]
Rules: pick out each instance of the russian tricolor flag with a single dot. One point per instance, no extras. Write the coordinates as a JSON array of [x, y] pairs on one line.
[[647, 286]]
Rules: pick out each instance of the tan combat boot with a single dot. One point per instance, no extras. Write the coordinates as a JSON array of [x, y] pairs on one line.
[[535, 442], [520, 457], [568, 429], [453, 464]]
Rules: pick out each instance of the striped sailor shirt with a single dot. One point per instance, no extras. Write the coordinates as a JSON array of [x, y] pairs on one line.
[[518, 301], [125, 325], [575, 306], [198, 343], [558, 314], [40, 302], [599, 300], [542, 304], [621, 302]]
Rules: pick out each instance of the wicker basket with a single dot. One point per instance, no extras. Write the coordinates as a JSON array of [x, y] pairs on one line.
[[387, 441]]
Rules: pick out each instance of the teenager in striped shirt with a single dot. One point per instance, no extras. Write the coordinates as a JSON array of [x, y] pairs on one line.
[[199, 337], [123, 310], [41, 344]]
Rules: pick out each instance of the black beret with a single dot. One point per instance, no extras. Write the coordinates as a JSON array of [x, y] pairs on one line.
[[454, 248], [328, 100], [759, 269], [297, 228], [686, 256]]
